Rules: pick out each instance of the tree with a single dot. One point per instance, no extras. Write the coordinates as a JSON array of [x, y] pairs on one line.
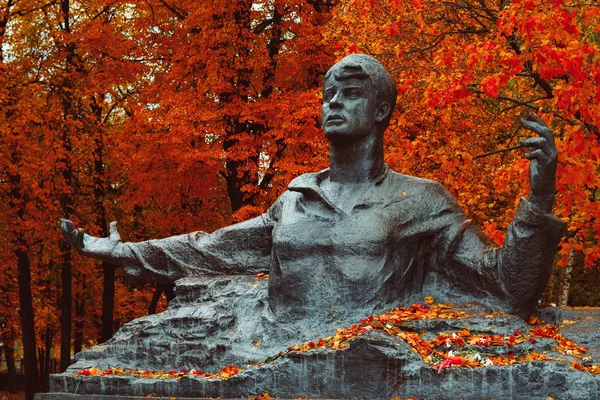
[[53, 100], [224, 96], [18, 182]]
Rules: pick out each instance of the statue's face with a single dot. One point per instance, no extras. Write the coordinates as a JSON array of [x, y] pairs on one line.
[[349, 109]]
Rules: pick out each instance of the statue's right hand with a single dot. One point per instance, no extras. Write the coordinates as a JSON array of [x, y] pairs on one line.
[[108, 249]]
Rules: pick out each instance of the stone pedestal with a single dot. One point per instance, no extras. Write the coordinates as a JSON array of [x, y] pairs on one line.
[[219, 321]]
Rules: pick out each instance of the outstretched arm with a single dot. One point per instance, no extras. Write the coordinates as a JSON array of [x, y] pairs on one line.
[[243, 248]]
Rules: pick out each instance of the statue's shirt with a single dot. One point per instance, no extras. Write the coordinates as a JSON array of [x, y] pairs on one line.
[[405, 238]]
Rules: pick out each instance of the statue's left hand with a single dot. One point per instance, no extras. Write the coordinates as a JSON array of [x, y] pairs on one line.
[[542, 170], [108, 249]]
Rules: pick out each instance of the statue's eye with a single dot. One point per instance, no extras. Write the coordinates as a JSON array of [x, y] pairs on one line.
[[328, 95], [352, 93]]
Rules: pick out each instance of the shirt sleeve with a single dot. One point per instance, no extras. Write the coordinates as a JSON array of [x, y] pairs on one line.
[[510, 278], [243, 248]]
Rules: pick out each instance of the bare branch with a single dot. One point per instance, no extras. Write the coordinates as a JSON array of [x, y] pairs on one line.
[[489, 153], [180, 15]]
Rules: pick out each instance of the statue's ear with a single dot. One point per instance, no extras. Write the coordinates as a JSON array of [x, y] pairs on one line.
[[383, 111]]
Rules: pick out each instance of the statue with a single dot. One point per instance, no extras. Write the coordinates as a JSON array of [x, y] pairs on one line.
[[339, 245], [359, 237]]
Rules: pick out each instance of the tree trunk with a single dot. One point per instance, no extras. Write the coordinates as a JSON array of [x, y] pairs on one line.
[[40, 359], [66, 201], [79, 321], [9, 354], [565, 283], [66, 308], [167, 288], [154, 301], [236, 175], [45, 364], [108, 301], [32, 382], [100, 189], [44, 360], [17, 199]]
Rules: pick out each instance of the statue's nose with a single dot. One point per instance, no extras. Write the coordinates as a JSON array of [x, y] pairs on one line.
[[335, 101]]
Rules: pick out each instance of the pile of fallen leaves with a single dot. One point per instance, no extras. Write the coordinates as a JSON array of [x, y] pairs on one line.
[[460, 349], [225, 373], [456, 349]]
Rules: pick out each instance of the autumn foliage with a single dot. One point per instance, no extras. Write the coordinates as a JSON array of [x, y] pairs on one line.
[[174, 116]]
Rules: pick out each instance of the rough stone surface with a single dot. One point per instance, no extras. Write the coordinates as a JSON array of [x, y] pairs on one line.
[[199, 330], [212, 322]]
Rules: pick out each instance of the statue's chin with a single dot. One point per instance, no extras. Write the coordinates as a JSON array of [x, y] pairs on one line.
[[342, 139]]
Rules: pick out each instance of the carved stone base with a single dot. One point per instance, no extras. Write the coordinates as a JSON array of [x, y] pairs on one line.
[[225, 320]]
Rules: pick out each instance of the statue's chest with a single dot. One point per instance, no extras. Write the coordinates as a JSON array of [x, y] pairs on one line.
[[317, 228], [314, 241], [327, 259]]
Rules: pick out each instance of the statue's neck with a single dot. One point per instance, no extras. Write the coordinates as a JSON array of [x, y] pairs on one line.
[[358, 162]]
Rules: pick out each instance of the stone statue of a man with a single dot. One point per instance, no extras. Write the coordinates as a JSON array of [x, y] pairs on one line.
[[359, 238]]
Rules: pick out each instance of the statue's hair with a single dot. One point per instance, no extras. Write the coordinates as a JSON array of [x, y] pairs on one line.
[[362, 66]]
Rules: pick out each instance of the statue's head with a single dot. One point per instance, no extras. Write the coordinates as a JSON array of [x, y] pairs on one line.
[[359, 97]]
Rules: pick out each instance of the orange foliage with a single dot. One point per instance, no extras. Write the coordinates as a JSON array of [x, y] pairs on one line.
[[224, 374]]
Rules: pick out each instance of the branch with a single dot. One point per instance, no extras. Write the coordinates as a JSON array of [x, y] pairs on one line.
[[22, 13], [546, 87], [105, 119], [529, 101], [263, 25], [268, 177], [105, 9], [497, 151], [181, 16], [523, 103]]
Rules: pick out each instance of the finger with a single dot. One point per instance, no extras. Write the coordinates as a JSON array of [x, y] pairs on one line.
[[63, 225], [67, 225], [114, 233], [538, 155], [535, 126], [538, 126], [538, 143], [535, 118]]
